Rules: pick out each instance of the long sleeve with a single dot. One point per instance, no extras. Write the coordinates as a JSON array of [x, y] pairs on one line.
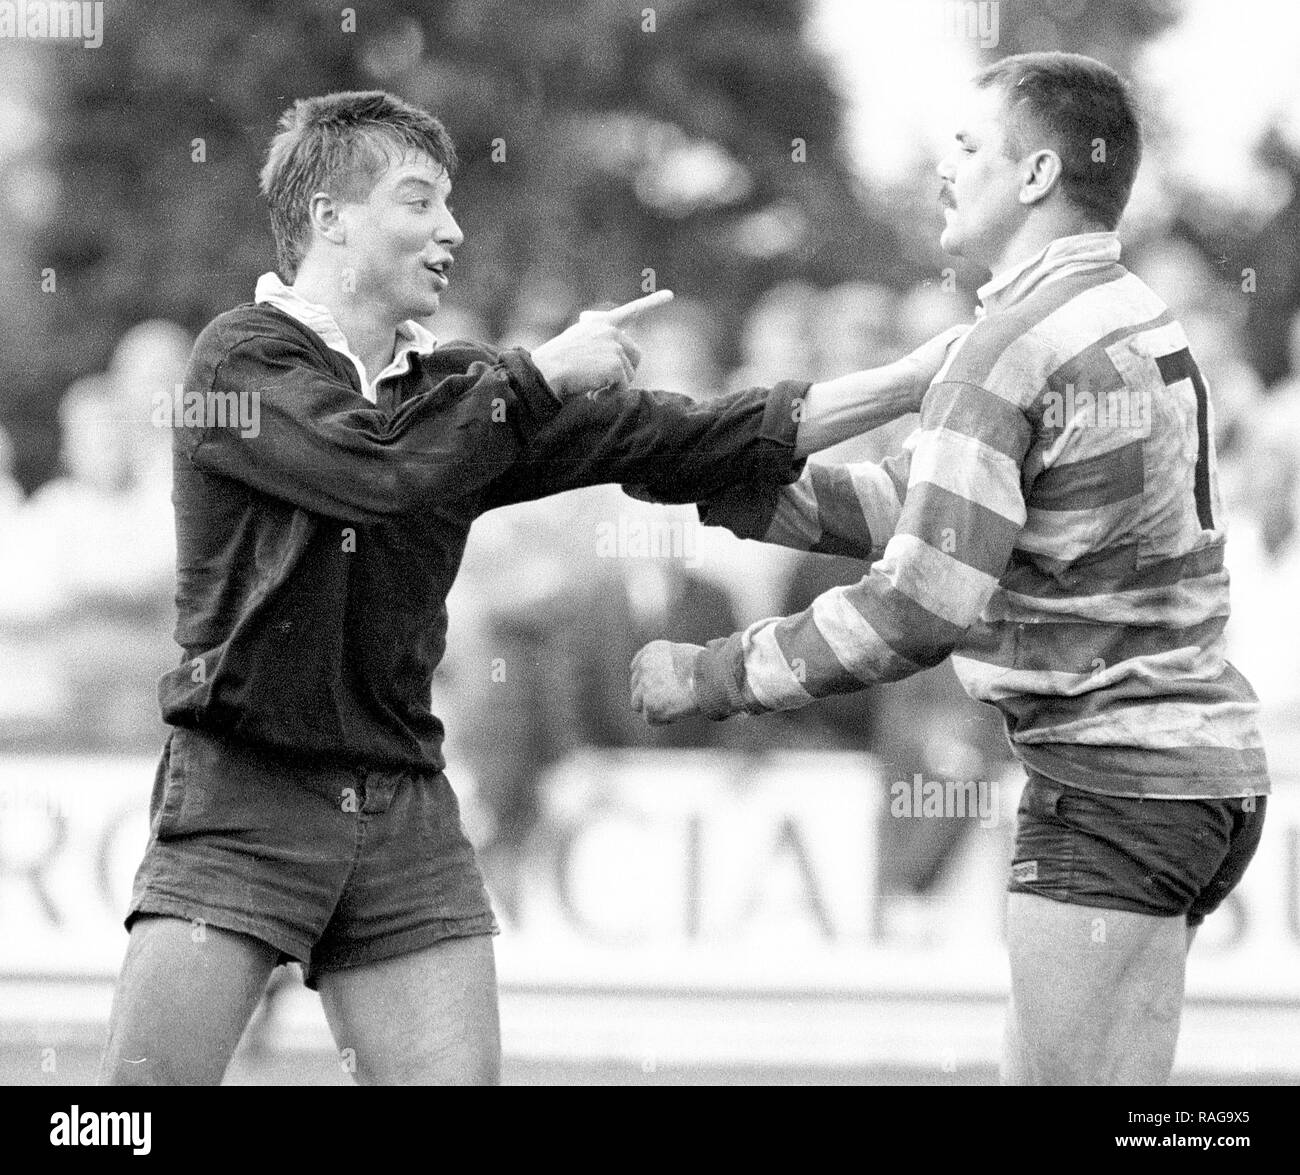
[[312, 441], [963, 511], [831, 510], [680, 449]]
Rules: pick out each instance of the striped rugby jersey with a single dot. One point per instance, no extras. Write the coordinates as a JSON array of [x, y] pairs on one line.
[[1054, 525]]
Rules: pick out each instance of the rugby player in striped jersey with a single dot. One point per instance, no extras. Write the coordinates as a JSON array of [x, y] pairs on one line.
[[1054, 526]]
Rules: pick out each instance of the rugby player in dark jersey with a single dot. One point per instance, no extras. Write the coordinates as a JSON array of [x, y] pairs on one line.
[[329, 458]]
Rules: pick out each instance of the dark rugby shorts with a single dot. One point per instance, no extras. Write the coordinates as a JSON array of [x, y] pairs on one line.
[[333, 866], [1151, 856]]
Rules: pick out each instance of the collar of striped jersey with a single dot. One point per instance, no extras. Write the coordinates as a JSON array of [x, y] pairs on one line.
[[1064, 255], [411, 336]]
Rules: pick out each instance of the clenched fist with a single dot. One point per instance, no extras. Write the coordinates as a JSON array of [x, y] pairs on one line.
[[663, 682], [595, 353]]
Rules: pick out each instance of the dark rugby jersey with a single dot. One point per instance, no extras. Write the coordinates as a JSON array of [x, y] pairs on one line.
[[315, 550]]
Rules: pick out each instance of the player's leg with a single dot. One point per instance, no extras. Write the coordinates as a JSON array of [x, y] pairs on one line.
[[405, 967], [1096, 994], [1103, 892], [424, 1018], [246, 858], [184, 997]]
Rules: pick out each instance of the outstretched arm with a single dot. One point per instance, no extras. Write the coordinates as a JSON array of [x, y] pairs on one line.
[[838, 409], [831, 510], [963, 512], [840, 509], [683, 450]]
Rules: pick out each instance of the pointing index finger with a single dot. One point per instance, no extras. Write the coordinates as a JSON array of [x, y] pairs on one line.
[[630, 310]]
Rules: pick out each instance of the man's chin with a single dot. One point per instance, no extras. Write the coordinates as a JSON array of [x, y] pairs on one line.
[[426, 305], [950, 242]]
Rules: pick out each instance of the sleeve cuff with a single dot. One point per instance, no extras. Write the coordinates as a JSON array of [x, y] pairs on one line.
[[719, 678], [746, 510], [781, 417]]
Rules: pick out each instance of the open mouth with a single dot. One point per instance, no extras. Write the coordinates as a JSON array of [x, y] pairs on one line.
[[441, 271]]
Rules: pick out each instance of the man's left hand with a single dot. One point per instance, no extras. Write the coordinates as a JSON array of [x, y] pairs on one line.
[[925, 362], [663, 682]]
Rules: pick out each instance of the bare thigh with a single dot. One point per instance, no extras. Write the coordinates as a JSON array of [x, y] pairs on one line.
[[183, 1000], [426, 1018], [1096, 994]]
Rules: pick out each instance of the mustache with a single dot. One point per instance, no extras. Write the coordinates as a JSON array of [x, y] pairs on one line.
[[946, 198]]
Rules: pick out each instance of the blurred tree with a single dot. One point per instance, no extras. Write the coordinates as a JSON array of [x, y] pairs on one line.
[[600, 139], [1273, 253], [27, 188], [1113, 31]]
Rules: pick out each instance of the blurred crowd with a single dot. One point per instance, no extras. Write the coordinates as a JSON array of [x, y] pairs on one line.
[[88, 567], [556, 596]]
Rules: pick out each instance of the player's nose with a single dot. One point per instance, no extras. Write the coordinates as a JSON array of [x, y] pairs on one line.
[[449, 233]]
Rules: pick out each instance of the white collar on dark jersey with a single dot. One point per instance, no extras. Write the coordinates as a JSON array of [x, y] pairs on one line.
[[411, 336], [1082, 249]]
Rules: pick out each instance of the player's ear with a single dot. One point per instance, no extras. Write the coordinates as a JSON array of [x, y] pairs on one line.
[[324, 213], [1042, 172]]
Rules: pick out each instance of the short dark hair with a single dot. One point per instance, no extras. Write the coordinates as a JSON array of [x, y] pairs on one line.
[[1073, 102], [341, 144]]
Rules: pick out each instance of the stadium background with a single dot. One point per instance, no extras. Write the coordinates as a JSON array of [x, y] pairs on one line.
[[721, 903]]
